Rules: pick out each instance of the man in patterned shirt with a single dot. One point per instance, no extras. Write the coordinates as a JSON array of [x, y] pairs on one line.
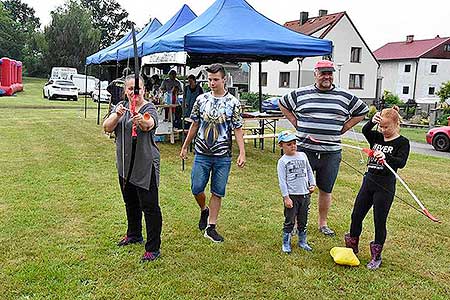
[[325, 112], [215, 114]]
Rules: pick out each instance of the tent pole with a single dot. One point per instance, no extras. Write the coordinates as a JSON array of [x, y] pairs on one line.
[[183, 109], [99, 90], [260, 86], [85, 92], [261, 122]]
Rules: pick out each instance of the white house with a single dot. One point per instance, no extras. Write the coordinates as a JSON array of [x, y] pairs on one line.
[[356, 65], [415, 69]]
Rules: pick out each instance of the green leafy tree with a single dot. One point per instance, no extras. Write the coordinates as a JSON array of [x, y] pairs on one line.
[[71, 36], [110, 18], [444, 92], [28, 40], [11, 37], [23, 15]]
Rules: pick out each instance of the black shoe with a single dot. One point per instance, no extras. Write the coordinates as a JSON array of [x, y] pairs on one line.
[[130, 240], [203, 222], [212, 234]]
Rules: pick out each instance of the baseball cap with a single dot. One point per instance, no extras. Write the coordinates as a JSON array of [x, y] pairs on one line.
[[286, 136], [324, 66]]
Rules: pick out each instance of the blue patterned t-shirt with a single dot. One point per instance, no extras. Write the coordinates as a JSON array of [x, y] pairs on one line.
[[217, 117]]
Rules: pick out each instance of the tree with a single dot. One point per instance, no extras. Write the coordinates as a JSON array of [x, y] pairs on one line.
[[71, 36], [444, 92], [11, 37], [23, 15], [28, 44], [109, 17]]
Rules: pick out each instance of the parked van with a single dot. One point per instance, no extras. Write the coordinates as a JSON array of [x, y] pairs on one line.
[[62, 73], [80, 82]]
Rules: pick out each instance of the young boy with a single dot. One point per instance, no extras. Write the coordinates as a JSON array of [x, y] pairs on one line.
[[296, 181]]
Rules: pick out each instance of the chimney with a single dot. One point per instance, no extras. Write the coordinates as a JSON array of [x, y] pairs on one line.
[[303, 18], [409, 38], [323, 12]]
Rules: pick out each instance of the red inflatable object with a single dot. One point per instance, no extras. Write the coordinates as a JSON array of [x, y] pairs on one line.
[[10, 76]]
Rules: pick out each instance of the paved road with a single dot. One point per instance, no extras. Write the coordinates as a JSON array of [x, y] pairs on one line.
[[421, 148]]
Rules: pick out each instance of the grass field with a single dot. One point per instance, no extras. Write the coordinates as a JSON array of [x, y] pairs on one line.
[[61, 215]]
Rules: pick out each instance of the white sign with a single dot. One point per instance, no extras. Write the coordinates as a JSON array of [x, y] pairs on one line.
[[165, 58]]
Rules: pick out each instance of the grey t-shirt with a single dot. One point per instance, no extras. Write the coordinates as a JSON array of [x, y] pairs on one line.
[[295, 174], [147, 153]]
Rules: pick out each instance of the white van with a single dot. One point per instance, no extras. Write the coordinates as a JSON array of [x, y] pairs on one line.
[[80, 82], [62, 73]]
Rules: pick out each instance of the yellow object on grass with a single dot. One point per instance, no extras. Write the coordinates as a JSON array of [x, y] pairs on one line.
[[344, 256]]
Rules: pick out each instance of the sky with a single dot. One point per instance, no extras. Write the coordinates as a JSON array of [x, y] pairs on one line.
[[379, 22]]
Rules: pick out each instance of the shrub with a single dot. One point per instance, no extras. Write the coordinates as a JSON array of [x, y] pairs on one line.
[[372, 111], [444, 92], [391, 99], [253, 98], [443, 120]]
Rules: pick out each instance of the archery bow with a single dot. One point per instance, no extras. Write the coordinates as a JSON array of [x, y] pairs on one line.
[[133, 107], [370, 153]]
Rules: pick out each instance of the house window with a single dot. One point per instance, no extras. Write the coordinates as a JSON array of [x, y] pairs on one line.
[[405, 90], [356, 81], [407, 68], [355, 55], [431, 90], [263, 78], [433, 69], [284, 79], [447, 47]]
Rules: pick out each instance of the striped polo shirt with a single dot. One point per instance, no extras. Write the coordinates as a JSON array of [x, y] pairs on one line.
[[322, 114]]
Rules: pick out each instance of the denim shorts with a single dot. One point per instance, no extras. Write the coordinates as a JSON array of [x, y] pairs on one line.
[[326, 166], [217, 167]]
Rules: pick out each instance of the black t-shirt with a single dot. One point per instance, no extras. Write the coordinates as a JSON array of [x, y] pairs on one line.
[[396, 151]]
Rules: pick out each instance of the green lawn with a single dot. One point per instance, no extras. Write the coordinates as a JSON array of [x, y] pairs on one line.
[[61, 215]]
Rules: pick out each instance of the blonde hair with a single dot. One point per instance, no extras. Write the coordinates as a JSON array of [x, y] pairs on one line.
[[392, 114]]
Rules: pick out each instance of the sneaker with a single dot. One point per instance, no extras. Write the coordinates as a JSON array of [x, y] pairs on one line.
[[203, 222], [212, 234], [150, 256], [326, 231], [130, 240]]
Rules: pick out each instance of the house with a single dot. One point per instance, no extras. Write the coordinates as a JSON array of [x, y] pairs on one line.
[[356, 65], [415, 69]]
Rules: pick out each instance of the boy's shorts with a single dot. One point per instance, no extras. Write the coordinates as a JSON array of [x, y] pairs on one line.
[[326, 166], [218, 167]]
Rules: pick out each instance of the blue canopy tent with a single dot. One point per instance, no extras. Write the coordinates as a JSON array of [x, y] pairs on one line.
[[232, 31], [181, 18], [111, 55], [94, 59]]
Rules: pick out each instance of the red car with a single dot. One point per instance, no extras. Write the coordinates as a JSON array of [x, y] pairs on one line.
[[439, 137]]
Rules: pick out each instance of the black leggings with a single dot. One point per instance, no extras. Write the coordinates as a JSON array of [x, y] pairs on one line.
[[299, 211], [138, 200], [377, 191]]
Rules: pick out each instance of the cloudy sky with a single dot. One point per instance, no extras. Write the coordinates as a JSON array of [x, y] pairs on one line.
[[379, 22]]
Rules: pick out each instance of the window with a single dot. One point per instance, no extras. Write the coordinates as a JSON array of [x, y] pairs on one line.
[[356, 81], [433, 69], [405, 90], [284, 79], [407, 68], [431, 90], [447, 47], [263, 78], [355, 55]]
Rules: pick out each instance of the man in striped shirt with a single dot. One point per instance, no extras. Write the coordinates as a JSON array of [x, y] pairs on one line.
[[324, 112]]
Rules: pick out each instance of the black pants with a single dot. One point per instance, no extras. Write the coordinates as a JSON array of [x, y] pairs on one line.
[[377, 191], [138, 200], [299, 211]]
